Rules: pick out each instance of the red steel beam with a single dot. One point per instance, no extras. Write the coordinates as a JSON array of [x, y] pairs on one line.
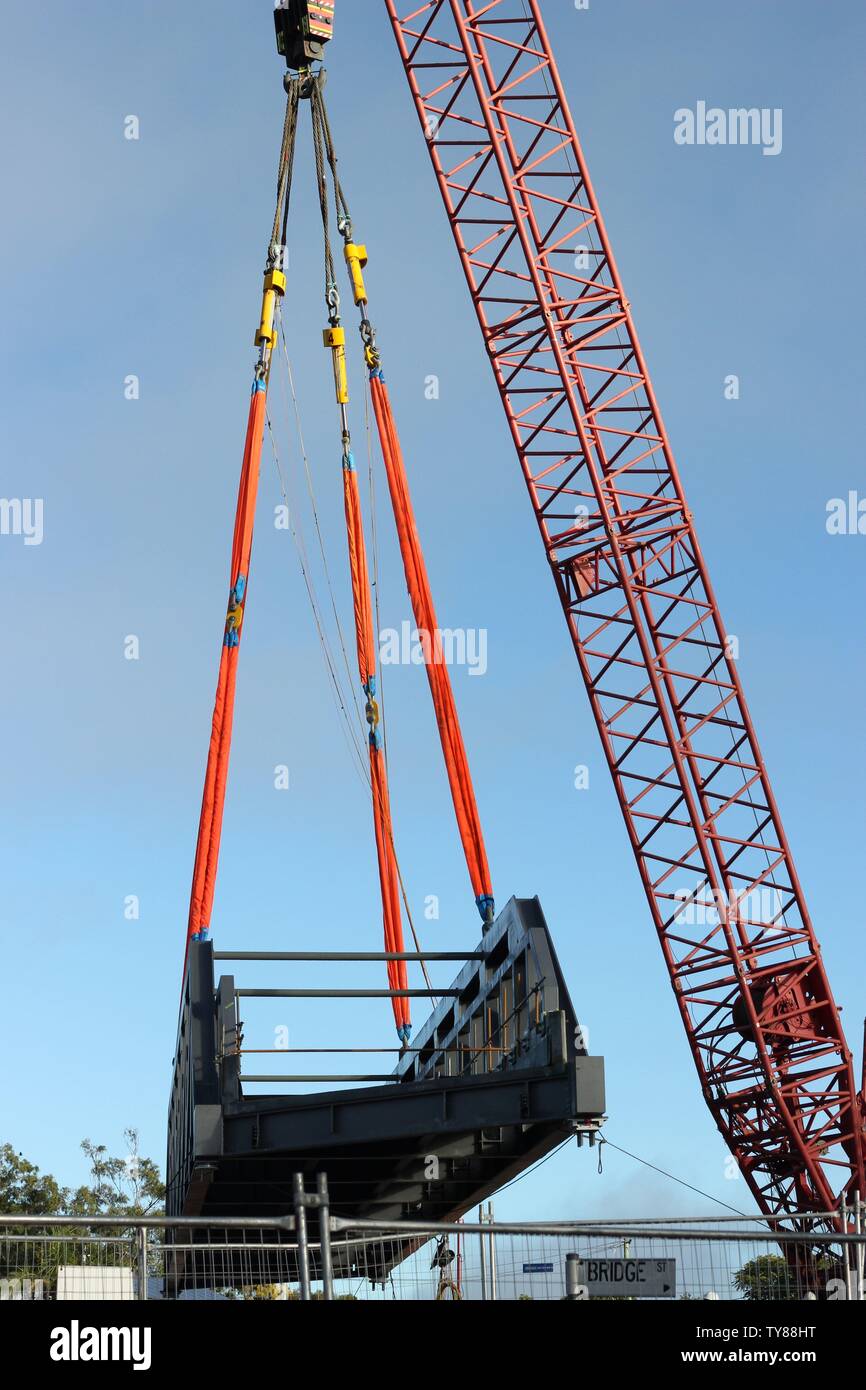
[[745, 966]]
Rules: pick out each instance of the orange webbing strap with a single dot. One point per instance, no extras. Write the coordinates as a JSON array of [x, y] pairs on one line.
[[453, 747], [364, 631], [362, 603], [213, 801], [390, 886]]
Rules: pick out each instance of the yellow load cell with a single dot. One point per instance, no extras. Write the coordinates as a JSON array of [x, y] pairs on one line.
[[335, 339], [356, 260], [275, 286]]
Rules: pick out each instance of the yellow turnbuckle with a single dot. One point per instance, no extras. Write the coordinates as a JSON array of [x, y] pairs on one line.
[[275, 287]]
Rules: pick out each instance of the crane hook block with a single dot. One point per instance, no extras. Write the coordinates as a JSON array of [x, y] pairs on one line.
[[335, 339], [356, 260], [303, 28], [275, 285]]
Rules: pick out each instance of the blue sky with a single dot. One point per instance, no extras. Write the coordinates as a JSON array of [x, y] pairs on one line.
[[145, 258]]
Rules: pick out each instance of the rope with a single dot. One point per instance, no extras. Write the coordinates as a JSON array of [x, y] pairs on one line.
[[286, 167], [315, 512], [297, 537], [216, 775], [335, 337], [271, 331], [319, 149], [321, 116], [450, 735], [371, 482]]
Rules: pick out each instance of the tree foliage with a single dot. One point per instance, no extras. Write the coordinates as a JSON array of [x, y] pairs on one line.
[[771, 1279], [24, 1191], [126, 1185]]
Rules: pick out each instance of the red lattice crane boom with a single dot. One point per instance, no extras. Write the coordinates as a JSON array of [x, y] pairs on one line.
[[746, 968]]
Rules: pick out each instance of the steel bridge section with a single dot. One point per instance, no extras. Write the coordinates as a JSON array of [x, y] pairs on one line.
[[744, 962], [500, 1077]]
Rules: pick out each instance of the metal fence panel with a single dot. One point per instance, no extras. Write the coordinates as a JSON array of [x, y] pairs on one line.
[[187, 1259]]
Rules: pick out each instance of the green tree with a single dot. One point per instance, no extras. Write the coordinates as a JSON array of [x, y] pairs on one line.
[[771, 1279], [767, 1279], [126, 1186], [24, 1191], [129, 1185], [268, 1293]]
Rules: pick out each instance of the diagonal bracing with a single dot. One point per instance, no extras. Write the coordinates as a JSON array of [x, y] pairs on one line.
[[744, 962]]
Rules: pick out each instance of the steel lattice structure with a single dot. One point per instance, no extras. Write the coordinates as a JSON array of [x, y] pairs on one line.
[[745, 966]]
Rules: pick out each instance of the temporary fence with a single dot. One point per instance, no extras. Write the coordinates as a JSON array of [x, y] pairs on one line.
[[313, 1254]]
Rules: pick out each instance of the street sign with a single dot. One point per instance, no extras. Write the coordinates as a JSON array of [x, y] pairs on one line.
[[623, 1278], [538, 1269]]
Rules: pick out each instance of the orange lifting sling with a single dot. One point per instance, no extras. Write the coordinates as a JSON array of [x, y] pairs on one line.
[[453, 748]]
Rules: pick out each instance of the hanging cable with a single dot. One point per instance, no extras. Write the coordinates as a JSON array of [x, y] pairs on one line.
[[334, 338], [216, 776], [451, 738], [374, 533], [349, 732], [297, 536], [417, 579], [267, 336], [314, 508]]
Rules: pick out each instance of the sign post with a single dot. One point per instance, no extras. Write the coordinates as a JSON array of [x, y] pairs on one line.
[[586, 1279]]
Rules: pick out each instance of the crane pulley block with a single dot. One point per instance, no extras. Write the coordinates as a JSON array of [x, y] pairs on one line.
[[303, 28]]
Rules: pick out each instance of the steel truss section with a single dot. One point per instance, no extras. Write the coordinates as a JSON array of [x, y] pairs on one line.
[[744, 962], [497, 1078]]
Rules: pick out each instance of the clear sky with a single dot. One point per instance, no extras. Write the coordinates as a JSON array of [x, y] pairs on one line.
[[144, 257]]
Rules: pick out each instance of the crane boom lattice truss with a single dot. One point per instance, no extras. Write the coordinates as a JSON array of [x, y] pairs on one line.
[[745, 966]]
